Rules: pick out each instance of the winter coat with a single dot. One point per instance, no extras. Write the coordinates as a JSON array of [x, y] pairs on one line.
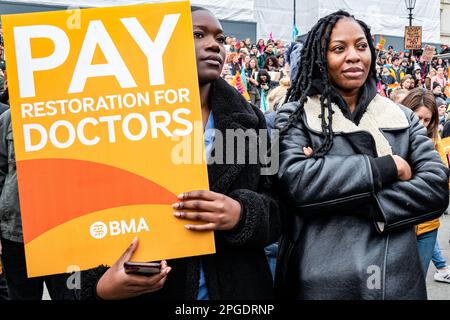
[[10, 217], [239, 268], [349, 234], [435, 223]]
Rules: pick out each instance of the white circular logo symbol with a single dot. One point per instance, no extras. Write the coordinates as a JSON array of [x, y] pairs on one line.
[[98, 230]]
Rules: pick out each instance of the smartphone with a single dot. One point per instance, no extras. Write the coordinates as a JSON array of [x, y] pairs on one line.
[[142, 268]]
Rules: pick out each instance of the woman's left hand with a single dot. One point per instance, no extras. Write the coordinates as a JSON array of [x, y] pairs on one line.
[[218, 211]]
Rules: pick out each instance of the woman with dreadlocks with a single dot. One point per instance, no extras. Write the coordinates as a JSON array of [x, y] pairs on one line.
[[357, 173]]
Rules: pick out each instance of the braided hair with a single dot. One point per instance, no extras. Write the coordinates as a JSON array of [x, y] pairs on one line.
[[314, 65]]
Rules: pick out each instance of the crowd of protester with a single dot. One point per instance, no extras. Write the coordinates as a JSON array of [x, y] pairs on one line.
[[268, 74]]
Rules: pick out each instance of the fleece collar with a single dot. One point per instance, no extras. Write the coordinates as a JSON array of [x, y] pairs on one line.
[[381, 114]]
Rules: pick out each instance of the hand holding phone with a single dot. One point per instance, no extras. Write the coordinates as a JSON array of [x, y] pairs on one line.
[[142, 268], [116, 283]]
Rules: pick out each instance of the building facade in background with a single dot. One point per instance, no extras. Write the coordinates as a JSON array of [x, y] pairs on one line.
[[445, 22], [256, 19]]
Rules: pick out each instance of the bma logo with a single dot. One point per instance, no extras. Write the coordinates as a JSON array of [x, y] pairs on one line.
[[99, 230]]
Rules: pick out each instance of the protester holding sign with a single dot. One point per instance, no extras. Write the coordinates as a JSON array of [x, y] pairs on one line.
[[349, 161], [238, 208]]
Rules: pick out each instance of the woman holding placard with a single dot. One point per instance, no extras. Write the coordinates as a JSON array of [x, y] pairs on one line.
[[238, 208]]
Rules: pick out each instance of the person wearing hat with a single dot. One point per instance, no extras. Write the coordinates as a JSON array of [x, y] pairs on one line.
[[381, 60], [391, 49], [407, 54], [406, 66], [437, 90]]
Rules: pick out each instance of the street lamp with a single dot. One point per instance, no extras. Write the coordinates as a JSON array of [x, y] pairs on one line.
[[410, 5]]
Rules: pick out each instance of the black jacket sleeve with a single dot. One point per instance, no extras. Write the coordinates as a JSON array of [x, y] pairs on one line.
[[320, 185], [425, 196], [260, 223]]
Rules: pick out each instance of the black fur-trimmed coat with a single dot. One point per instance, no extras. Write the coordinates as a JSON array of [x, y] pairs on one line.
[[239, 269]]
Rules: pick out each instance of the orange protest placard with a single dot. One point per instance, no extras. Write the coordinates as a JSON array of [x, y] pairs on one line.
[[98, 113]]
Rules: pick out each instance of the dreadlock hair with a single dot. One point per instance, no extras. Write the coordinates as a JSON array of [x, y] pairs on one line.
[[314, 65]]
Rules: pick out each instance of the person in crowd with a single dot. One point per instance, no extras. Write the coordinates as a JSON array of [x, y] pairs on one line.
[[265, 84], [271, 64], [281, 51], [252, 72], [261, 46], [379, 71], [432, 73], [446, 130], [437, 91], [235, 64], [267, 53], [242, 45], [281, 61], [423, 104], [407, 55], [292, 57], [254, 53], [442, 62], [227, 44], [397, 95], [279, 44], [239, 208], [248, 43], [387, 80], [442, 273], [391, 50], [382, 60], [20, 287], [414, 64], [349, 161], [417, 76], [406, 82], [439, 77], [396, 71], [442, 112], [434, 63], [243, 52], [406, 67], [233, 45], [276, 97], [245, 61], [445, 49]]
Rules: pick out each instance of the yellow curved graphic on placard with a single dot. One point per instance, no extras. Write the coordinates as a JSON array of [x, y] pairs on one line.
[[157, 218]]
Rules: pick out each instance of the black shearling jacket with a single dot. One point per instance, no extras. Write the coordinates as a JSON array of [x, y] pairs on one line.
[[346, 235]]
